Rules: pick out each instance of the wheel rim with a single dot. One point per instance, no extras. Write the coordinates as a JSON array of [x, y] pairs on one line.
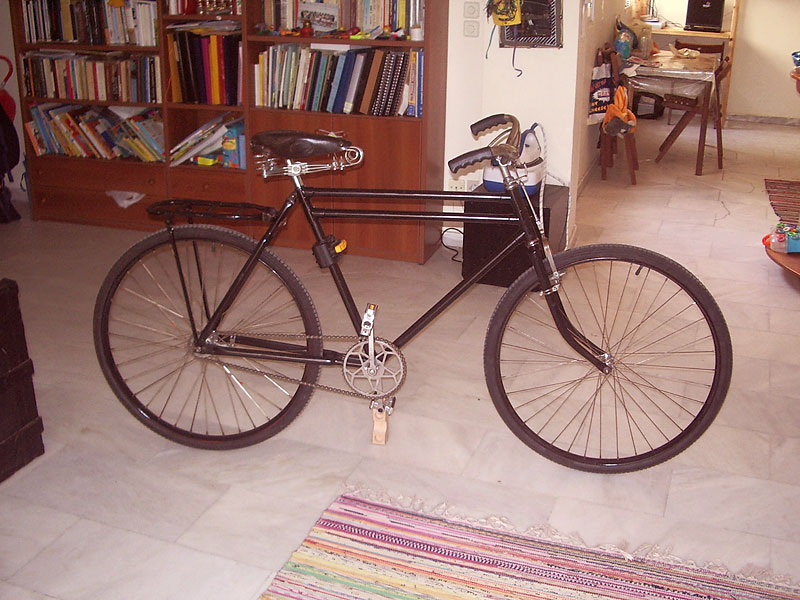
[[659, 342], [172, 386]]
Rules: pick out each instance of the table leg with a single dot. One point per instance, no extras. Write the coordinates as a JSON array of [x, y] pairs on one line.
[[701, 145]]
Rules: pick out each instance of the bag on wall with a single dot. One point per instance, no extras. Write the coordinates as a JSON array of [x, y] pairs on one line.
[[601, 88]]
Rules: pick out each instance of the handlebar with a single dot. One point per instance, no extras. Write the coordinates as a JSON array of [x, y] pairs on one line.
[[508, 151]]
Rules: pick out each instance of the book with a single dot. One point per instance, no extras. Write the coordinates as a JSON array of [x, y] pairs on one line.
[[344, 82], [303, 74], [205, 62], [371, 82], [89, 122], [327, 84], [196, 56], [382, 85], [319, 81], [91, 22], [176, 94], [198, 136], [232, 141], [36, 138], [399, 78], [341, 59], [185, 67], [355, 81]]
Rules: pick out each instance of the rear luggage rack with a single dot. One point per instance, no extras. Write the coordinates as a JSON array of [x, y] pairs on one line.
[[169, 210]]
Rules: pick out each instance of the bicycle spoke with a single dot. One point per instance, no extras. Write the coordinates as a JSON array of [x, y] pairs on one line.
[[661, 350], [175, 387]]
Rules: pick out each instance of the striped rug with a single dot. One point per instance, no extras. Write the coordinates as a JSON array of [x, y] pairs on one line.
[[784, 196], [362, 550]]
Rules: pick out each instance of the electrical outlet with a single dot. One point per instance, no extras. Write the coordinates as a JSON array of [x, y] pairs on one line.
[[471, 28], [457, 185], [472, 10]]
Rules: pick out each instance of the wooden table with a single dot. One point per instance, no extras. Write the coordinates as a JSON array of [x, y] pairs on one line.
[[672, 74], [790, 262]]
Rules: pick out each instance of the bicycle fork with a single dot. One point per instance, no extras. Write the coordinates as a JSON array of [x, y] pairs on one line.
[[548, 275]]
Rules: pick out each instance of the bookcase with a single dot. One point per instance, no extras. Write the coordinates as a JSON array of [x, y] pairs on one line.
[[401, 152]]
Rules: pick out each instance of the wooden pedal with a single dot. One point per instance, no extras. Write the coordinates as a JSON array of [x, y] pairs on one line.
[[380, 424]]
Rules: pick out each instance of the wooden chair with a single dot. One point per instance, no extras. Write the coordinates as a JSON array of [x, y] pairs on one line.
[[702, 49], [701, 105], [608, 147], [608, 143]]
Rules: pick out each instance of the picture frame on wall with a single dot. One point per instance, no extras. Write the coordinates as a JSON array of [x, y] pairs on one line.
[[540, 27]]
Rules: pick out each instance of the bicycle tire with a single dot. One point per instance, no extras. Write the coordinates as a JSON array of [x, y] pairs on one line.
[[143, 338], [671, 351]]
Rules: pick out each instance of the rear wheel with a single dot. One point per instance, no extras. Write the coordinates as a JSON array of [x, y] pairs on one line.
[[145, 344], [669, 348]]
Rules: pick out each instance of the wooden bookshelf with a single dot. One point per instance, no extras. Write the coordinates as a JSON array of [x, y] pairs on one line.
[[400, 152]]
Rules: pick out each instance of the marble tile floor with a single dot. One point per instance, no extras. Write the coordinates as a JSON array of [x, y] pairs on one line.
[[114, 511]]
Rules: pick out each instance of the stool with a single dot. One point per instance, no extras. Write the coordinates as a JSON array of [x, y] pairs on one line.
[[608, 147]]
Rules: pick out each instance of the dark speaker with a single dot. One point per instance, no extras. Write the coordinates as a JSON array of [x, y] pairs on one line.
[[704, 15], [482, 241]]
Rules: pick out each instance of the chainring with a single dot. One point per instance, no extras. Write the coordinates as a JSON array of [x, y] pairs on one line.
[[378, 373]]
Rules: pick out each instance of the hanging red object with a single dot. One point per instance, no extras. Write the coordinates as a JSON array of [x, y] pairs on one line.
[[6, 101]]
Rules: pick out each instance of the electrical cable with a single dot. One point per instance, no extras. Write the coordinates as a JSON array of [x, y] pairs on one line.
[[455, 251]]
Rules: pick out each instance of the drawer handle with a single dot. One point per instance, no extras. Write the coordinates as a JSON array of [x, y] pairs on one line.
[[151, 181], [205, 187]]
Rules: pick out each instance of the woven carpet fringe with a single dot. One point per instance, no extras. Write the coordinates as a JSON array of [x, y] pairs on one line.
[[548, 533]]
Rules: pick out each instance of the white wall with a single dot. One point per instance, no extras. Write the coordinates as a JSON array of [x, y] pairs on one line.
[[479, 85], [767, 33], [595, 31], [552, 90]]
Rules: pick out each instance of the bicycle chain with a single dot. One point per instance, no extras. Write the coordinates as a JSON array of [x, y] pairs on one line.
[[317, 386]]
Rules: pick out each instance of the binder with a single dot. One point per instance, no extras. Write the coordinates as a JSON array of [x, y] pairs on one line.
[[344, 82]]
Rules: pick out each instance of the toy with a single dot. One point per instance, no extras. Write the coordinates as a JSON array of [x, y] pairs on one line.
[[784, 238], [307, 30]]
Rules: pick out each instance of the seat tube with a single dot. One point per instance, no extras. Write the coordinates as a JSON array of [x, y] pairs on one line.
[[336, 273]]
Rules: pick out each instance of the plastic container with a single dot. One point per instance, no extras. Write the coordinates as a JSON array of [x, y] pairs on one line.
[[784, 238], [623, 44]]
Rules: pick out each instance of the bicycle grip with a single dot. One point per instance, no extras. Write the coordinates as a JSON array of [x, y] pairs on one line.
[[489, 122], [470, 158]]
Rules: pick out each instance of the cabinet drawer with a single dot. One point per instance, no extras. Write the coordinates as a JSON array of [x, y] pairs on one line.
[[92, 207], [227, 185], [99, 175]]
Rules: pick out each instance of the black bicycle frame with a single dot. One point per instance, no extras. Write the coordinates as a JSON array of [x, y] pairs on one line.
[[529, 235]]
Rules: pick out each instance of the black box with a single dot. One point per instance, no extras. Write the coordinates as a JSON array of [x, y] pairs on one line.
[[482, 241], [20, 424]]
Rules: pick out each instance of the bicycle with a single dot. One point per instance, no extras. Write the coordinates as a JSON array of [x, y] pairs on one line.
[[604, 358]]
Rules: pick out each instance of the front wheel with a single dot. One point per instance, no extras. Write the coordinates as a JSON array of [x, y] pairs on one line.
[[664, 337], [153, 300]]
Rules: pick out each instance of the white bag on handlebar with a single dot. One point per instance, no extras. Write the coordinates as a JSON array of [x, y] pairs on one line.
[[529, 151]]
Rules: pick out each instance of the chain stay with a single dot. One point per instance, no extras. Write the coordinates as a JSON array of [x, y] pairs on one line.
[[317, 386]]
